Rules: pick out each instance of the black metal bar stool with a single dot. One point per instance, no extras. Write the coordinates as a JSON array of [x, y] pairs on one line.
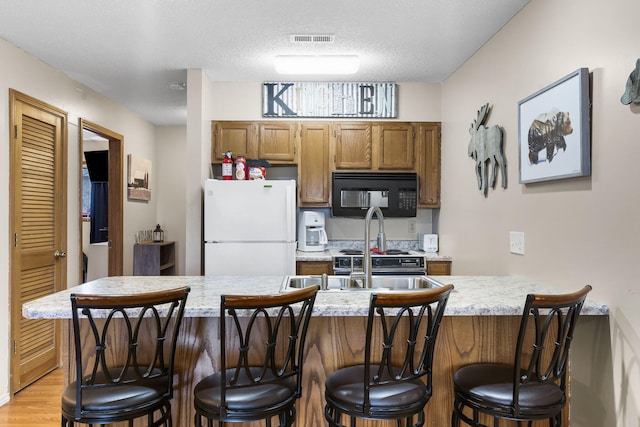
[[534, 386], [128, 371], [394, 383], [262, 347]]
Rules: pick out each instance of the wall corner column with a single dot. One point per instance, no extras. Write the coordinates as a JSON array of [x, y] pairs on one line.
[[198, 163]]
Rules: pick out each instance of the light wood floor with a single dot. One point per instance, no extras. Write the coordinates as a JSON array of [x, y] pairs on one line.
[[36, 405]]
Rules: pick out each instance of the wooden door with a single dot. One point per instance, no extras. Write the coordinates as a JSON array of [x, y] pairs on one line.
[[313, 171], [38, 230]]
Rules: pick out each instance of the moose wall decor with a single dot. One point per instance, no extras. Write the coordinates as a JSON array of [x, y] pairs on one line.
[[485, 147]]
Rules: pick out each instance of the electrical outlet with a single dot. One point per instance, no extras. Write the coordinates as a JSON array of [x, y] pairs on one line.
[[516, 242], [412, 226]]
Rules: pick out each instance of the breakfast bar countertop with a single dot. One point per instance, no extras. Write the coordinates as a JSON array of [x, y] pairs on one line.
[[472, 296]]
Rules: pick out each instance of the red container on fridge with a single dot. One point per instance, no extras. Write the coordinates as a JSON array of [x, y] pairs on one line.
[[241, 167]]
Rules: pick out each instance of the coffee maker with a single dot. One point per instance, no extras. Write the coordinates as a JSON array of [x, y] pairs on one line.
[[312, 236]]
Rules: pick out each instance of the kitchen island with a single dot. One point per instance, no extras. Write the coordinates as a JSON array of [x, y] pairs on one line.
[[480, 323]]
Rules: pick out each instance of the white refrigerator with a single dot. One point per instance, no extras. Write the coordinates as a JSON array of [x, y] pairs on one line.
[[249, 227]]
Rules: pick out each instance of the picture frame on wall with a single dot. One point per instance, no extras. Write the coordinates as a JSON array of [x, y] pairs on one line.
[[138, 178], [554, 130]]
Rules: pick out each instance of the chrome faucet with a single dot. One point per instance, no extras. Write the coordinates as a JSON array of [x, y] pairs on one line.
[[382, 242]]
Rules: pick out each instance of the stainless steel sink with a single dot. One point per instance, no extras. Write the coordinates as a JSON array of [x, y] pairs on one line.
[[347, 284]]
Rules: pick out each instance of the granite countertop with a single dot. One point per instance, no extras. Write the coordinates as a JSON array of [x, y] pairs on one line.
[[472, 296], [314, 256]]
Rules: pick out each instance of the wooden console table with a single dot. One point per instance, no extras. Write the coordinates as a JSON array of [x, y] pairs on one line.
[[154, 259]]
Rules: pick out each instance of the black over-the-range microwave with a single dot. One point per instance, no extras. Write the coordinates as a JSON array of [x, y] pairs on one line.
[[395, 193]]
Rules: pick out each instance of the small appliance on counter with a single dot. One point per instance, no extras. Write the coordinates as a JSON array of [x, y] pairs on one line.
[[312, 236], [428, 242]]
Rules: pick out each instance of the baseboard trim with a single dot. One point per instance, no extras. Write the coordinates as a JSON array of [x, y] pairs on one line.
[[4, 399]]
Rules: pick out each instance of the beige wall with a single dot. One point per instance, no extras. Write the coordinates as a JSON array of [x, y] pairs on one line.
[[577, 231], [200, 102], [171, 184], [31, 76], [243, 101]]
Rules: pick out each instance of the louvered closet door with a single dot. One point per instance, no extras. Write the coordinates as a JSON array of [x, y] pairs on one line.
[[39, 227]]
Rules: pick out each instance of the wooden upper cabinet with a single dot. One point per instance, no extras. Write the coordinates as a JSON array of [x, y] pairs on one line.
[[272, 141], [353, 142], [395, 146], [428, 164], [318, 148], [314, 175], [237, 137], [277, 142]]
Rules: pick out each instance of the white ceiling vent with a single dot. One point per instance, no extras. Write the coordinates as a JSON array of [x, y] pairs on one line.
[[312, 38]]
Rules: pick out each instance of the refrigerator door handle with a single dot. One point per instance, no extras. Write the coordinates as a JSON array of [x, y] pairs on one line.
[[291, 220]]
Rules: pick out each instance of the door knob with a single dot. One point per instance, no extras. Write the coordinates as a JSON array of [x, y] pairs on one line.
[[59, 254]]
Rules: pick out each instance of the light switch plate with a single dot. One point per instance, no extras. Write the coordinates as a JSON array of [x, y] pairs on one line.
[[516, 242]]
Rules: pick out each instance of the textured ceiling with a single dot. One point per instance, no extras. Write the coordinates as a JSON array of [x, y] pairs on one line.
[[130, 51]]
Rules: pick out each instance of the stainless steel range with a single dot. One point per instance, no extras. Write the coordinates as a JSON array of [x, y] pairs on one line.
[[392, 262]]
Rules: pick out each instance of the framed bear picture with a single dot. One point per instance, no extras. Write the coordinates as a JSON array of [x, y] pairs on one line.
[[554, 130]]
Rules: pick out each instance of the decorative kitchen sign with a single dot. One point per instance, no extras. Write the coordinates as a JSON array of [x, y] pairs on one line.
[[486, 146], [317, 99]]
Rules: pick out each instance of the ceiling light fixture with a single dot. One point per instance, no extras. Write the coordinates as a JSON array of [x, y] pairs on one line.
[[317, 64]]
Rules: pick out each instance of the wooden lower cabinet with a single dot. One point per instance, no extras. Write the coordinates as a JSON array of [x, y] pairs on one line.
[[314, 268], [434, 268], [337, 341], [439, 268]]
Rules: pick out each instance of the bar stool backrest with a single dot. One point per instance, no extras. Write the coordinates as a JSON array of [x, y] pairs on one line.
[[126, 340], [262, 339], [544, 339], [400, 338]]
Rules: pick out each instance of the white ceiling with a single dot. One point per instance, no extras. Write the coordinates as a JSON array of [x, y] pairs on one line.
[[130, 51]]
